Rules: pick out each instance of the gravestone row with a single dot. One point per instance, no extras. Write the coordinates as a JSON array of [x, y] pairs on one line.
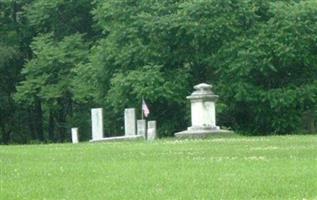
[[133, 129], [203, 119]]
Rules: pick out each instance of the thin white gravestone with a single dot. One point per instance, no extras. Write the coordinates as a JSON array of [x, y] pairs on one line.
[[129, 122], [97, 123], [141, 127], [151, 130], [75, 135]]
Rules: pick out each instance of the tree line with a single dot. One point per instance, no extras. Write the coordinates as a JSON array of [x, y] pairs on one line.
[[59, 58]]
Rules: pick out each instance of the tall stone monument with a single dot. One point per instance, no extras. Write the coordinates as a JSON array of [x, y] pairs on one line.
[[129, 122], [75, 135], [203, 113], [97, 123]]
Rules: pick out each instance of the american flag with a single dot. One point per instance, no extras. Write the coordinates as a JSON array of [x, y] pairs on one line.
[[145, 109]]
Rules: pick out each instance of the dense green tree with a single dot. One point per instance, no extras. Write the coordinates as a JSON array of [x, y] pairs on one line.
[[268, 76], [46, 90], [14, 39], [8, 76], [59, 58], [159, 50], [48, 79], [60, 17]]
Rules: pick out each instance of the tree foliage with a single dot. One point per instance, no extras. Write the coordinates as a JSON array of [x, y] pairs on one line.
[[268, 77], [48, 76], [60, 58]]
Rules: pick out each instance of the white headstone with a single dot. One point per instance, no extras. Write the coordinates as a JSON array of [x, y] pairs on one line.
[[151, 130], [129, 122], [75, 135], [141, 127], [97, 123]]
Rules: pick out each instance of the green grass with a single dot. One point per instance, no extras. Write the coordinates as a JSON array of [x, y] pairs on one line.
[[279, 167]]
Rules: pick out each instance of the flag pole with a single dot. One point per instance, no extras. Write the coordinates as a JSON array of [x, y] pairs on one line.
[[142, 108]]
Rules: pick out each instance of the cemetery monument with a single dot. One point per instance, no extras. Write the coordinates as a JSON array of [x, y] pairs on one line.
[[203, 114]]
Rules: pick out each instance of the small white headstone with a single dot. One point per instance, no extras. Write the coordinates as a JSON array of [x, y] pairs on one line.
[[141, 127], [129, 122], [97, 123], [151, 130], [75, 135]]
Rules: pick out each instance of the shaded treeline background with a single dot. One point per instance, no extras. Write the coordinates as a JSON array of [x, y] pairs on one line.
[[59, 58]]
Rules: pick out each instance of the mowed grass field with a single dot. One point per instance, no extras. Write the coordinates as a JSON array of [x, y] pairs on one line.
[[277, 167]]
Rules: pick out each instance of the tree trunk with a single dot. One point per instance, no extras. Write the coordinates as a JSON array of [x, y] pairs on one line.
[[31, 124], [309, 121], [5, 135], [51, 126], [61, 127], [65, 110], [39, 119]]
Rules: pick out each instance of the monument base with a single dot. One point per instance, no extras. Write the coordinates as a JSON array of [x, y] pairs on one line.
[[203, 133], [118, 138]]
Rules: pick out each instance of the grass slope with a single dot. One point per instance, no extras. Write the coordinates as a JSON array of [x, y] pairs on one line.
[[280, 167]]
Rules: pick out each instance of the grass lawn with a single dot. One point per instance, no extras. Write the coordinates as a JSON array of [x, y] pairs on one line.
[[278, 167]]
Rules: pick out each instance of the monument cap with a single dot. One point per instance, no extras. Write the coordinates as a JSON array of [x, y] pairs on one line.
[[203, 91], [203, 86]]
